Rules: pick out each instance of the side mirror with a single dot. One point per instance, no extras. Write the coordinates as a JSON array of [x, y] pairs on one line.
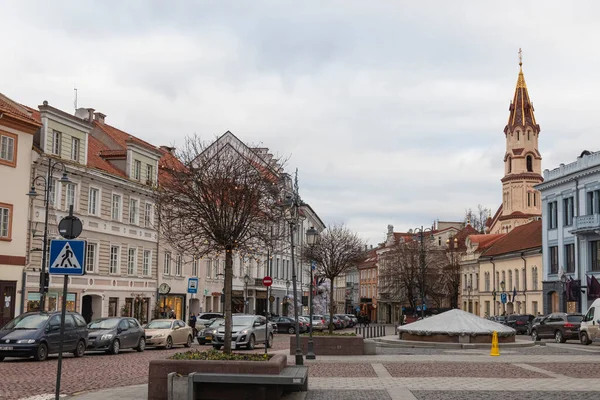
[[119, 330], [176, 327], [52, 328]]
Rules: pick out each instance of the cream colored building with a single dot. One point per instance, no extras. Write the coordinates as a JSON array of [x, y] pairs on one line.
[[17, 128]]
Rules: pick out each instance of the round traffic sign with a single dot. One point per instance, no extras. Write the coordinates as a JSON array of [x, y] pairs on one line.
[[271, 299], [267, 281], [70, 227]]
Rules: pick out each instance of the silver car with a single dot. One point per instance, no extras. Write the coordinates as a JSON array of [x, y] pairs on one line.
[[318, 322], [247, 330]]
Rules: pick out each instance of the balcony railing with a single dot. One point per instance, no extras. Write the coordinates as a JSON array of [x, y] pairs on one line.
[[587, 223]]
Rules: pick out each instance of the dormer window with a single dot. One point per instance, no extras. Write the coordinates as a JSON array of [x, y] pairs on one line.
[[149, 174], [137, 170], [56, 145]]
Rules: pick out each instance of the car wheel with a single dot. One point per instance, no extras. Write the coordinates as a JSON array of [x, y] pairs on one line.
[[80, 349], [583, 338], [41, 353], [558, 337], [169, 343], [270, 341], [291, 330], [1, 358], [189, 342], [141, 345], [534, 336], [115, 347], [250, 345]]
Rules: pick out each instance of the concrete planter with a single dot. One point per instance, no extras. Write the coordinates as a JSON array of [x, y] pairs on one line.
[[331, 345], [159, 370]]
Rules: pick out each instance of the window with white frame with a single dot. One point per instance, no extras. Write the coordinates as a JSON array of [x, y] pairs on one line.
[[195, 267], [534, 278], [148, 214], [208, 268], [178, 262], [133, 211], [137, 169], [7, 148], [216, 268], [114, 259], [5, 221], [149, 174], [117, 206], [132, 261], [70, 194], [56, 142], [90, 257], [53, 192], [74, 149], [146, 262], [94, 197], [167, 264]]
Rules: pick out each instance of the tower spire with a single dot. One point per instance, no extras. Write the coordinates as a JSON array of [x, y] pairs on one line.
[[521, 108]]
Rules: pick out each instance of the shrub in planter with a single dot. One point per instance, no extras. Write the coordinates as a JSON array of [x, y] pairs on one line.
[[330, 334], [214, 355]]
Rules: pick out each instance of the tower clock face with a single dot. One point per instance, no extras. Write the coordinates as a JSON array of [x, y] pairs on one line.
[[164, 288]]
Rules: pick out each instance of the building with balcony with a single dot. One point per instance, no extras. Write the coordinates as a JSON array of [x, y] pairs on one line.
[[17, 129], [571, 234]]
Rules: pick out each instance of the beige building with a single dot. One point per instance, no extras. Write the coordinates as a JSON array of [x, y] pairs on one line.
[[17, 128], [512, 266]]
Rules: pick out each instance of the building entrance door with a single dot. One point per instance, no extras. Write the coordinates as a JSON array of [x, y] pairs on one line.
[[8, 291]]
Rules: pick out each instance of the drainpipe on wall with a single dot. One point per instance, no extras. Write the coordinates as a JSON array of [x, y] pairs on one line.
[[524, 280], [23, 297], [578, 253], [494, 278]]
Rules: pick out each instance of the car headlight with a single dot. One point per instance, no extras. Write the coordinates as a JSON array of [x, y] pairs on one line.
[[159, 335], [244, 332], [27, 341], [108, 336], [201, 332]]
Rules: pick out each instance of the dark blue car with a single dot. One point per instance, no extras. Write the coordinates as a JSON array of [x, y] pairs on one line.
[[37, 334]]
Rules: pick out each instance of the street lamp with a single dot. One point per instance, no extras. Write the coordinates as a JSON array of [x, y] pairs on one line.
[[469, 298], [311, 239], [46, 182], [421, 232], [563, 280], [246, 281]]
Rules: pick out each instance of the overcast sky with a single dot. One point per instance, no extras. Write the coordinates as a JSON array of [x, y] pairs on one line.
[[392, 111]]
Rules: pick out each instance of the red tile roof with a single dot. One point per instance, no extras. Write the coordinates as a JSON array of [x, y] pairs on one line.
[[121, 138], [17, 111], [95, 147], [462, 235], [485, 241], [523, 237]]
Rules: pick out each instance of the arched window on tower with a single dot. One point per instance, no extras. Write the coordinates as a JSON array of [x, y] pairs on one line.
[[528, 132], [529, 164], [518, 135], [509, 164]]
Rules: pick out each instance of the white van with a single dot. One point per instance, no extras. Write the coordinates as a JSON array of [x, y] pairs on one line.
[[590, 325]]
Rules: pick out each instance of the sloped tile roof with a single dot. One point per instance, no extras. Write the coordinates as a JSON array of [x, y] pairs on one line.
[[523, 237], [95, 147], [485, 241], [16, 110], [121, 138]]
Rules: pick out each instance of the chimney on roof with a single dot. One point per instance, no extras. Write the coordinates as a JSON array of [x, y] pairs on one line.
[[371, 247], [366, 247], [390, 232], [170, 150], [84, 113], [98, 116]]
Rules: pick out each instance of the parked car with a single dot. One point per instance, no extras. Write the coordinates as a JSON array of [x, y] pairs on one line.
[[116, 333], [318, 322], [247, 330], [337, 323], [205, 318], [560, 326], [590, 325], [533, 322], [287, 324], [501, 319], [353, 320], [168, 333], [519, 322], [345, 320], [37, 334], [205, 335]]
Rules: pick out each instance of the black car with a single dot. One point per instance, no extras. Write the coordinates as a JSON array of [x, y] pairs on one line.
[[534, 321], [560, 326], [115, 333], [519, 322], [287, 324], [37, 334]]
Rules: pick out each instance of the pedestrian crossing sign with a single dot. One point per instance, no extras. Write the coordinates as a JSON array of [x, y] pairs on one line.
[[67, 257]]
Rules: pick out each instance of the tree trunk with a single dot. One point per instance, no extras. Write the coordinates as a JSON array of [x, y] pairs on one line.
[[331, 306], [228, 284]]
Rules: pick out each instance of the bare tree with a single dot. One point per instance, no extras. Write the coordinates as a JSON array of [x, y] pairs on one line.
[[222, 197], [452, 273], [337, 250], [477, 218]]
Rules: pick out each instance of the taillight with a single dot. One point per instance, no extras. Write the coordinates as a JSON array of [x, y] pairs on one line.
[[569, 325], [520, 322]]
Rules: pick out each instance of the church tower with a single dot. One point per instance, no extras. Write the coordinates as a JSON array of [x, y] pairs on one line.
[[521, 203]]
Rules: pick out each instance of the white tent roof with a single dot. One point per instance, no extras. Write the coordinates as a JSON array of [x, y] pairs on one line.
[[456, 322]]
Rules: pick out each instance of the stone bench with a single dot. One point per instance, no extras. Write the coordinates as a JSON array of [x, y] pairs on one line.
[[239, 386]]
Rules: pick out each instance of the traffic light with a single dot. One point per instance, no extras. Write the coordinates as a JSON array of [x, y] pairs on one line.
[[45, 283]]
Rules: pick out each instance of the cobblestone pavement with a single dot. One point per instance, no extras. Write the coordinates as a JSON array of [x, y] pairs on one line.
[[572, 370], [487, 395], [448, 369], [348, 395], [341, 370]]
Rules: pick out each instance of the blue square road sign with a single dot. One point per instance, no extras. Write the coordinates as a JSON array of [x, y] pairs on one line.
[[67, 257]]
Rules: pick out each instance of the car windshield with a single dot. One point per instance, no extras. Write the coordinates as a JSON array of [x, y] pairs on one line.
[[243, 320], [575, 318], [104, 324], [501, 318], [27, 321], [159, 325], [216, 322]]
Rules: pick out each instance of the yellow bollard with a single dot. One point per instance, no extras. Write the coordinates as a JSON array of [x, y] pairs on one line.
[[495, 349]]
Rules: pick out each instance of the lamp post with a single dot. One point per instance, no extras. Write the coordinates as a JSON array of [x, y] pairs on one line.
[[287, 297], [469, 308], [311, 239], [563, 283], [503, 287], [421, 232], [46, 182], [246, 281]]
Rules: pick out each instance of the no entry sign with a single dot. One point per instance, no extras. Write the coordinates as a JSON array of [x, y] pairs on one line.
[[267, 281]]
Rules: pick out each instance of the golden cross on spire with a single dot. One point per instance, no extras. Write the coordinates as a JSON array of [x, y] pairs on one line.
[[520, 57]]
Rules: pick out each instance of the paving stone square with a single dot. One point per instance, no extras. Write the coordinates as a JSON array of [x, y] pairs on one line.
[[449, 369], [490, 395], [572, 370], [341, 370], [348, 395]]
